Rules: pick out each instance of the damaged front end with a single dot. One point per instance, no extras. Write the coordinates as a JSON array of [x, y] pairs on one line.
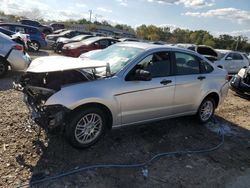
[[240, 83], [38, 87]]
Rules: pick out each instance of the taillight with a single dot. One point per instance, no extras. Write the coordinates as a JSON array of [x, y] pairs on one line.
[[18, 47], [228, 77], [43, 35]]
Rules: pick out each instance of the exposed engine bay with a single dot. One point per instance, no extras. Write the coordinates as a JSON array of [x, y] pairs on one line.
[[240, 83]]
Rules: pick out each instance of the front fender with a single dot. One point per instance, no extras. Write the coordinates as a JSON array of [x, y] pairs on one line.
[[77, 95]]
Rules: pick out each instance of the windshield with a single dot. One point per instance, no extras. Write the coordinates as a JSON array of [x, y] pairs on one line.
[[117, 57]]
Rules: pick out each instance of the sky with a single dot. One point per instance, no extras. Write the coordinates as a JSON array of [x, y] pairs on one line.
[[216, 16]]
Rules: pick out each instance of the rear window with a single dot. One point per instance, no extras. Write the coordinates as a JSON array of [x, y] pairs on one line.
[[245, 55]]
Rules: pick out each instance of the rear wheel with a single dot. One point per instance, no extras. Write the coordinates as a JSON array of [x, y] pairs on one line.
[[206, 110], [86, 127], [3, 67]]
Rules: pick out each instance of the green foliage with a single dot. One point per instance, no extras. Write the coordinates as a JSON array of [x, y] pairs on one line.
[[199, 37]]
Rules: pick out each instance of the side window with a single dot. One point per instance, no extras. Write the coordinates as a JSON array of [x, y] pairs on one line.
[[112, 42], [30, 31], [237, 57], [186, 64], [158, 64], [19, 29], [5, 27], [104, 43], [229, 56], [205, 66]]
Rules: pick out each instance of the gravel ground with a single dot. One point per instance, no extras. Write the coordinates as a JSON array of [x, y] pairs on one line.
[[26, 156]]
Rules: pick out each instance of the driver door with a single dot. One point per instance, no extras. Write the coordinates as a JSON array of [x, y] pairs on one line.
[[143, 101]]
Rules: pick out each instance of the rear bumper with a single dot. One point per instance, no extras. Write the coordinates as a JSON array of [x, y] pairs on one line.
[[224, 92], [19, 61]]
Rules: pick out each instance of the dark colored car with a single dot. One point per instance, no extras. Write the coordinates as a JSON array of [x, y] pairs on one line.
[[43, 28], [37, 38], [240, 83], [62, 41], [57, 26], [77, 48]]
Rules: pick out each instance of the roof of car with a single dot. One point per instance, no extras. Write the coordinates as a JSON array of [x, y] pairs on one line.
[[16, 24]]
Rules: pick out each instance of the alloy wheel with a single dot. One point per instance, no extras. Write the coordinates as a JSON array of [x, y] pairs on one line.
[[206, 111], [88, 128]]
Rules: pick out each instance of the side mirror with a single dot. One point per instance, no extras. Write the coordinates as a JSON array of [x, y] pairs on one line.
[[229, 58], [142, 75]]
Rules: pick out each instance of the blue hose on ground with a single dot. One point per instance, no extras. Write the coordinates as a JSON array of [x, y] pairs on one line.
[[138, 165]]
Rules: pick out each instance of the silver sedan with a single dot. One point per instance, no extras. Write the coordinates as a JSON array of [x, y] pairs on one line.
[[127, 83]]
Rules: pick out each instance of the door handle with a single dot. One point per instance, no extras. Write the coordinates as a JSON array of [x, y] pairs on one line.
[[201, 77], [165, 82]]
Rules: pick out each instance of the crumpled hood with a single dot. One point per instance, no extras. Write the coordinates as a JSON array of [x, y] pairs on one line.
[[61, 63]]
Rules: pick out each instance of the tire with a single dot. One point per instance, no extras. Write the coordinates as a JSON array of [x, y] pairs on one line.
[[80, 132], [3, 67], [34, 46], [206, 110]]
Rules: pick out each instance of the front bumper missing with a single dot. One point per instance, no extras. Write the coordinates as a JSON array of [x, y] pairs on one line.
[[47, 117]]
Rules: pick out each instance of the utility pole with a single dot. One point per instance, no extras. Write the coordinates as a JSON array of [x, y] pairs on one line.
[[90, 15], [236, 47]]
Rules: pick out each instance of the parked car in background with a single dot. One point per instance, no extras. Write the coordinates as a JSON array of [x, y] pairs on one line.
[[61, 41], [46, 29], [57, 26], [75, 49], [59, 31], [17, 37], [12, 54], [128, 39], [240, 83], [140, 83], [37, 38], [204, 50], [232, 61], [247, 57], [51, 39]]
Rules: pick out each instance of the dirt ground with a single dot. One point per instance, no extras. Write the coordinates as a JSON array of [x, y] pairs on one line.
[[25, 156]]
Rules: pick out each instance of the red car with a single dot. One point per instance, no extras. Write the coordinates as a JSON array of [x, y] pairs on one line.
[[77, 48]]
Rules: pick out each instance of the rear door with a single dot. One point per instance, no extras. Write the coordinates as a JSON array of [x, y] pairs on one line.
[[189, 80], [229, 64]]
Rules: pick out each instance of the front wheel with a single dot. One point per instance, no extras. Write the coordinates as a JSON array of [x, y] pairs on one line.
[[86, 127], [206, 110]]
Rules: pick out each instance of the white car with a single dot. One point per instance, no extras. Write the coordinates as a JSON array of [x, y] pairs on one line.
[[231, 61], [12, 54]]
